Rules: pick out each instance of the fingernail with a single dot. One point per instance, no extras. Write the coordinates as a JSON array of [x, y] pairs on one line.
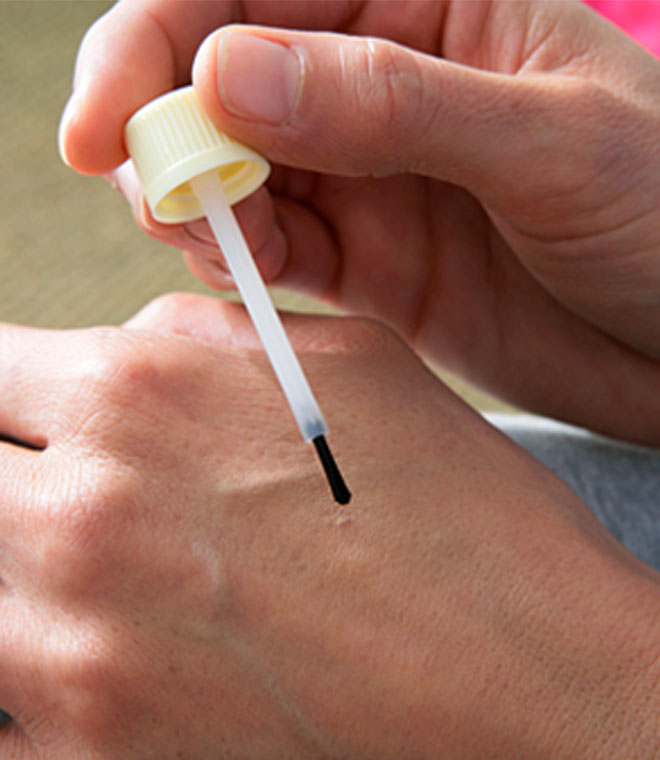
[[68, 115], [258, 79], [146, 220], [125, 179]]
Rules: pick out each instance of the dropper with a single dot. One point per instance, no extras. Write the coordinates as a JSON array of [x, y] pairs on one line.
[[208, 189], [188, 167]]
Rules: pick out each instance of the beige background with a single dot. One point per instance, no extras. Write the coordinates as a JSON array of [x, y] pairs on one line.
[[70, 254]]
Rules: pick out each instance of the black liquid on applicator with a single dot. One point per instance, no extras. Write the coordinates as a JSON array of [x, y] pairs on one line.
[[335, 480]]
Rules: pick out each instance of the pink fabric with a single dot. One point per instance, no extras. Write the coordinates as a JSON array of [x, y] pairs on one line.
[[639, 18]]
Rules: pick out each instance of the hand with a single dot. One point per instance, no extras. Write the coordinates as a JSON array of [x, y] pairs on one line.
[[177, 581], [491, 190]]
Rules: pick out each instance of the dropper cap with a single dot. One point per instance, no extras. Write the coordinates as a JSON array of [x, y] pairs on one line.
[[171, 140]]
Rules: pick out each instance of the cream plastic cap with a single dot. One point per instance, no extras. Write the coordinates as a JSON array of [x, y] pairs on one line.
[[171, 140]]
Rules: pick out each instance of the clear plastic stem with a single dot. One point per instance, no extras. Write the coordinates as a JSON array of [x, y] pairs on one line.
[[208, 189]]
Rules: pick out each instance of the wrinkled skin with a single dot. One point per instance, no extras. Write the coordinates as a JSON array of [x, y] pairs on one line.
[[178, 583], [484, 178]]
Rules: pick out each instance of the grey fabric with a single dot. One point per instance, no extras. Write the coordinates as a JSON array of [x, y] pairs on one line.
[[619, 482]]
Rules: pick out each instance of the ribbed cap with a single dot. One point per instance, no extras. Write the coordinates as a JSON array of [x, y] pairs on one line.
[[172, 140]]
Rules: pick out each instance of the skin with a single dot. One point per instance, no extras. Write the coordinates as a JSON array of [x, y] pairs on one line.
[[483, 178], [163, 597], [177, 582]]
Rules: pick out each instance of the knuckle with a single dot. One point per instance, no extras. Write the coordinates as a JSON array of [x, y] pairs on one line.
[[110, 383], [126, 391], [115, 367], [390, 90], [90, 664]]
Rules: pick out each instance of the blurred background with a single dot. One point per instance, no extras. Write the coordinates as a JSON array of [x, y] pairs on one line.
[[70, 253]]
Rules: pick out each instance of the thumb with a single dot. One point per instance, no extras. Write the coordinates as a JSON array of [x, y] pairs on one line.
[[358, 106]]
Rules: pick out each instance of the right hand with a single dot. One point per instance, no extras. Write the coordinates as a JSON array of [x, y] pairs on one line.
[[491, 190]]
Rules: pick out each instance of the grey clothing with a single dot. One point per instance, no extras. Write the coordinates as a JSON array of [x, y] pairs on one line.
[[619, 482]]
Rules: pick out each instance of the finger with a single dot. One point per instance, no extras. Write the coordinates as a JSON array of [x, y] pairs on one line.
[[340, 104], [284, 259], [256, 218], [208, 264], [128, 57], [361, 106], [254, 214], [141, 49], [194, 236]]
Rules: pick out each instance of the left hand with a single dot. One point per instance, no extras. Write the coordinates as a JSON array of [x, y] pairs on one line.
[[176, 581]]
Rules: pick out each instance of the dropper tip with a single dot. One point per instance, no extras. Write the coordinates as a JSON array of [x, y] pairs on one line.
[[335, 480]]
